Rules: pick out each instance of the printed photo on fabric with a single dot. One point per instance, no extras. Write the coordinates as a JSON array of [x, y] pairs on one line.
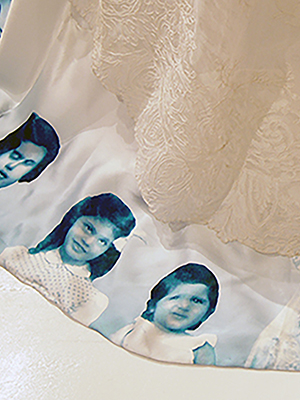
[[116, 216], [4, 8]]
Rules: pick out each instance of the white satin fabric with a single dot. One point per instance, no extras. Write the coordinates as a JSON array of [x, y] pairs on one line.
[[145, 338], [213, 89], [66, 286], [29, 32], [209, 99], [278, 346]]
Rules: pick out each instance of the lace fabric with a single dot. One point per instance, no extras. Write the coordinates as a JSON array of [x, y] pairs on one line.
[[213, 90], [262, 209], [278, 347], [217, 102]]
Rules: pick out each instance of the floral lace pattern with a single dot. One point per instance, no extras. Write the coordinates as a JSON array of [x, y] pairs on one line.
[[211, 88], [278, 346], [265, 197]]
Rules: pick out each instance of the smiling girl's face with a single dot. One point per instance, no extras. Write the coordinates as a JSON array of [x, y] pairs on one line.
[[182, 308], [88, 238]]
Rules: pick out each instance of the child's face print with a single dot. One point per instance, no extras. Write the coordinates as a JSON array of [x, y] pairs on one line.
[[88, 238], [182, 308], [18, 162]]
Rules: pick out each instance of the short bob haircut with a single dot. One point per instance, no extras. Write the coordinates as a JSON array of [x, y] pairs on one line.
[[107, 206], [189, 273], [39, 132]]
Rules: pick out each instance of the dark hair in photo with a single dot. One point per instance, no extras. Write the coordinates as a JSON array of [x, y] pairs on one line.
[[107, 206], [189, 273], [39, 132]]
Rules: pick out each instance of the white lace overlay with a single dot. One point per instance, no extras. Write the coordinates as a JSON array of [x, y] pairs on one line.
[[213, 89], [262, 209], [278, 345]]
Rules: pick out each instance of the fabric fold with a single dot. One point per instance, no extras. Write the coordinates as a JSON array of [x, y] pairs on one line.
[[212, 88]]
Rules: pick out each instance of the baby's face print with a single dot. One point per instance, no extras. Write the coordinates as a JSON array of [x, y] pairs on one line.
[[182, 308], [88, 238], [18, 162]]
